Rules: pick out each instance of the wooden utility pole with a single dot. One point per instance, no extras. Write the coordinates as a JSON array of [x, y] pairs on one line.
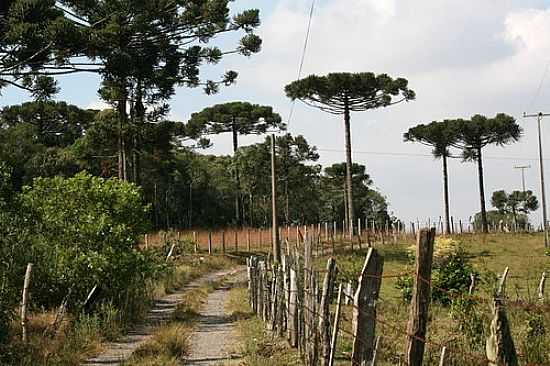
[[543, 190], [275, 226]]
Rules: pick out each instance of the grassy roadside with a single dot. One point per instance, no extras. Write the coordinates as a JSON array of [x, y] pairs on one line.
[[259, 347], [83, 336]]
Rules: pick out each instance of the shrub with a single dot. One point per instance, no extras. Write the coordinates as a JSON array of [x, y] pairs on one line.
[[451, 273], [85, 231]]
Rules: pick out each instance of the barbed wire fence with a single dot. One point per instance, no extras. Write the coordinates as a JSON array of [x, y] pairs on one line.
[[314, 315]]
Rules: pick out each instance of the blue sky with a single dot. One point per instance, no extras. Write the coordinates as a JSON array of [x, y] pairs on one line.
[[461, 58]]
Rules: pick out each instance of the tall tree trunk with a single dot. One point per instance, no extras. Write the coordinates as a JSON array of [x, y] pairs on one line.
[[121, 145], [346, 212], [349, 166], [139, 114], [191, 204], [287, 202], [237, 178], [484, 225], [446, 194]]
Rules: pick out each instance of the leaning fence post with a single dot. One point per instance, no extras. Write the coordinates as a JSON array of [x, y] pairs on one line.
[[472, 284], [324, 311], [500, 345], [364, 308], [541, 286], [421, 296], [209, 243], [335, 327], [26, 285], [502, 283], [349, 293], [443, 356], [375, 353]]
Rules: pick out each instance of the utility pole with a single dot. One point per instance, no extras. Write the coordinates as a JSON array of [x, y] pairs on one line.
[[543, 190], [522, 167], [275, 226]]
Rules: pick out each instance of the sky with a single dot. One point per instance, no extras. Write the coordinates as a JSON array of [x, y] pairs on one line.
[[461, 58]]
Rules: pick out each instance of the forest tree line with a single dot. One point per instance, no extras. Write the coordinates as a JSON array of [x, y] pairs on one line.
[[185, 187]]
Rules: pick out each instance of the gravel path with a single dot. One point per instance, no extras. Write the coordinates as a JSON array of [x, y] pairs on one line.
[[214, 339], [117, 352]]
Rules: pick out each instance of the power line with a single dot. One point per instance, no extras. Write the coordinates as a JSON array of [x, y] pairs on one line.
[[304, 50], [401, 154], [537, 93]]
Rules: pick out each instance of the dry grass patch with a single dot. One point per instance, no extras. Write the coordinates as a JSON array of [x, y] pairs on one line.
[[259, 347]]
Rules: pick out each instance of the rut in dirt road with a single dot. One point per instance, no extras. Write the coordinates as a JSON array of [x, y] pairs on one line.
[[214, 340]]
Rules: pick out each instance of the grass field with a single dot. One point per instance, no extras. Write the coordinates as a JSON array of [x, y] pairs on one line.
[[461, 326]]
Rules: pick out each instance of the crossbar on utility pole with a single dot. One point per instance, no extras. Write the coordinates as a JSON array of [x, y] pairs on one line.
[[543, 190], [522, 168]]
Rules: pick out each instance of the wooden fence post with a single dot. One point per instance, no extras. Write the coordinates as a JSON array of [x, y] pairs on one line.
[[324, 311], [223, 242], [26, 285], [335, 327], [260, 289], [248, 240], [364, 308], [375, 353], [421, 298], [349, 293], [502, 283], [209, 243], [293, 305], [146, 241], [236, 241], [500, 345], [443, 356], [541, 286], [196, 243], [472, 284], [280, 306]]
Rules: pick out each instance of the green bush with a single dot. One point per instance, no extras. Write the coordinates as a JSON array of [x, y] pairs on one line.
[[451, 273], [13, 239], [85, 231]]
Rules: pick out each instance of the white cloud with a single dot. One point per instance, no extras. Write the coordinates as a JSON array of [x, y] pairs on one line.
[[98, 105], [461, 57]]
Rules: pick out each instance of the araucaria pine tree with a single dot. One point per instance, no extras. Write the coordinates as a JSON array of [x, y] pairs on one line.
[[440, 136], [344, 93]]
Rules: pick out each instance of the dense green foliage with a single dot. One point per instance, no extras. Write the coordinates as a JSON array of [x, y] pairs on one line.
[[238, 118], [337, 92], [184, 188], [79, 233], [450, 277]]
